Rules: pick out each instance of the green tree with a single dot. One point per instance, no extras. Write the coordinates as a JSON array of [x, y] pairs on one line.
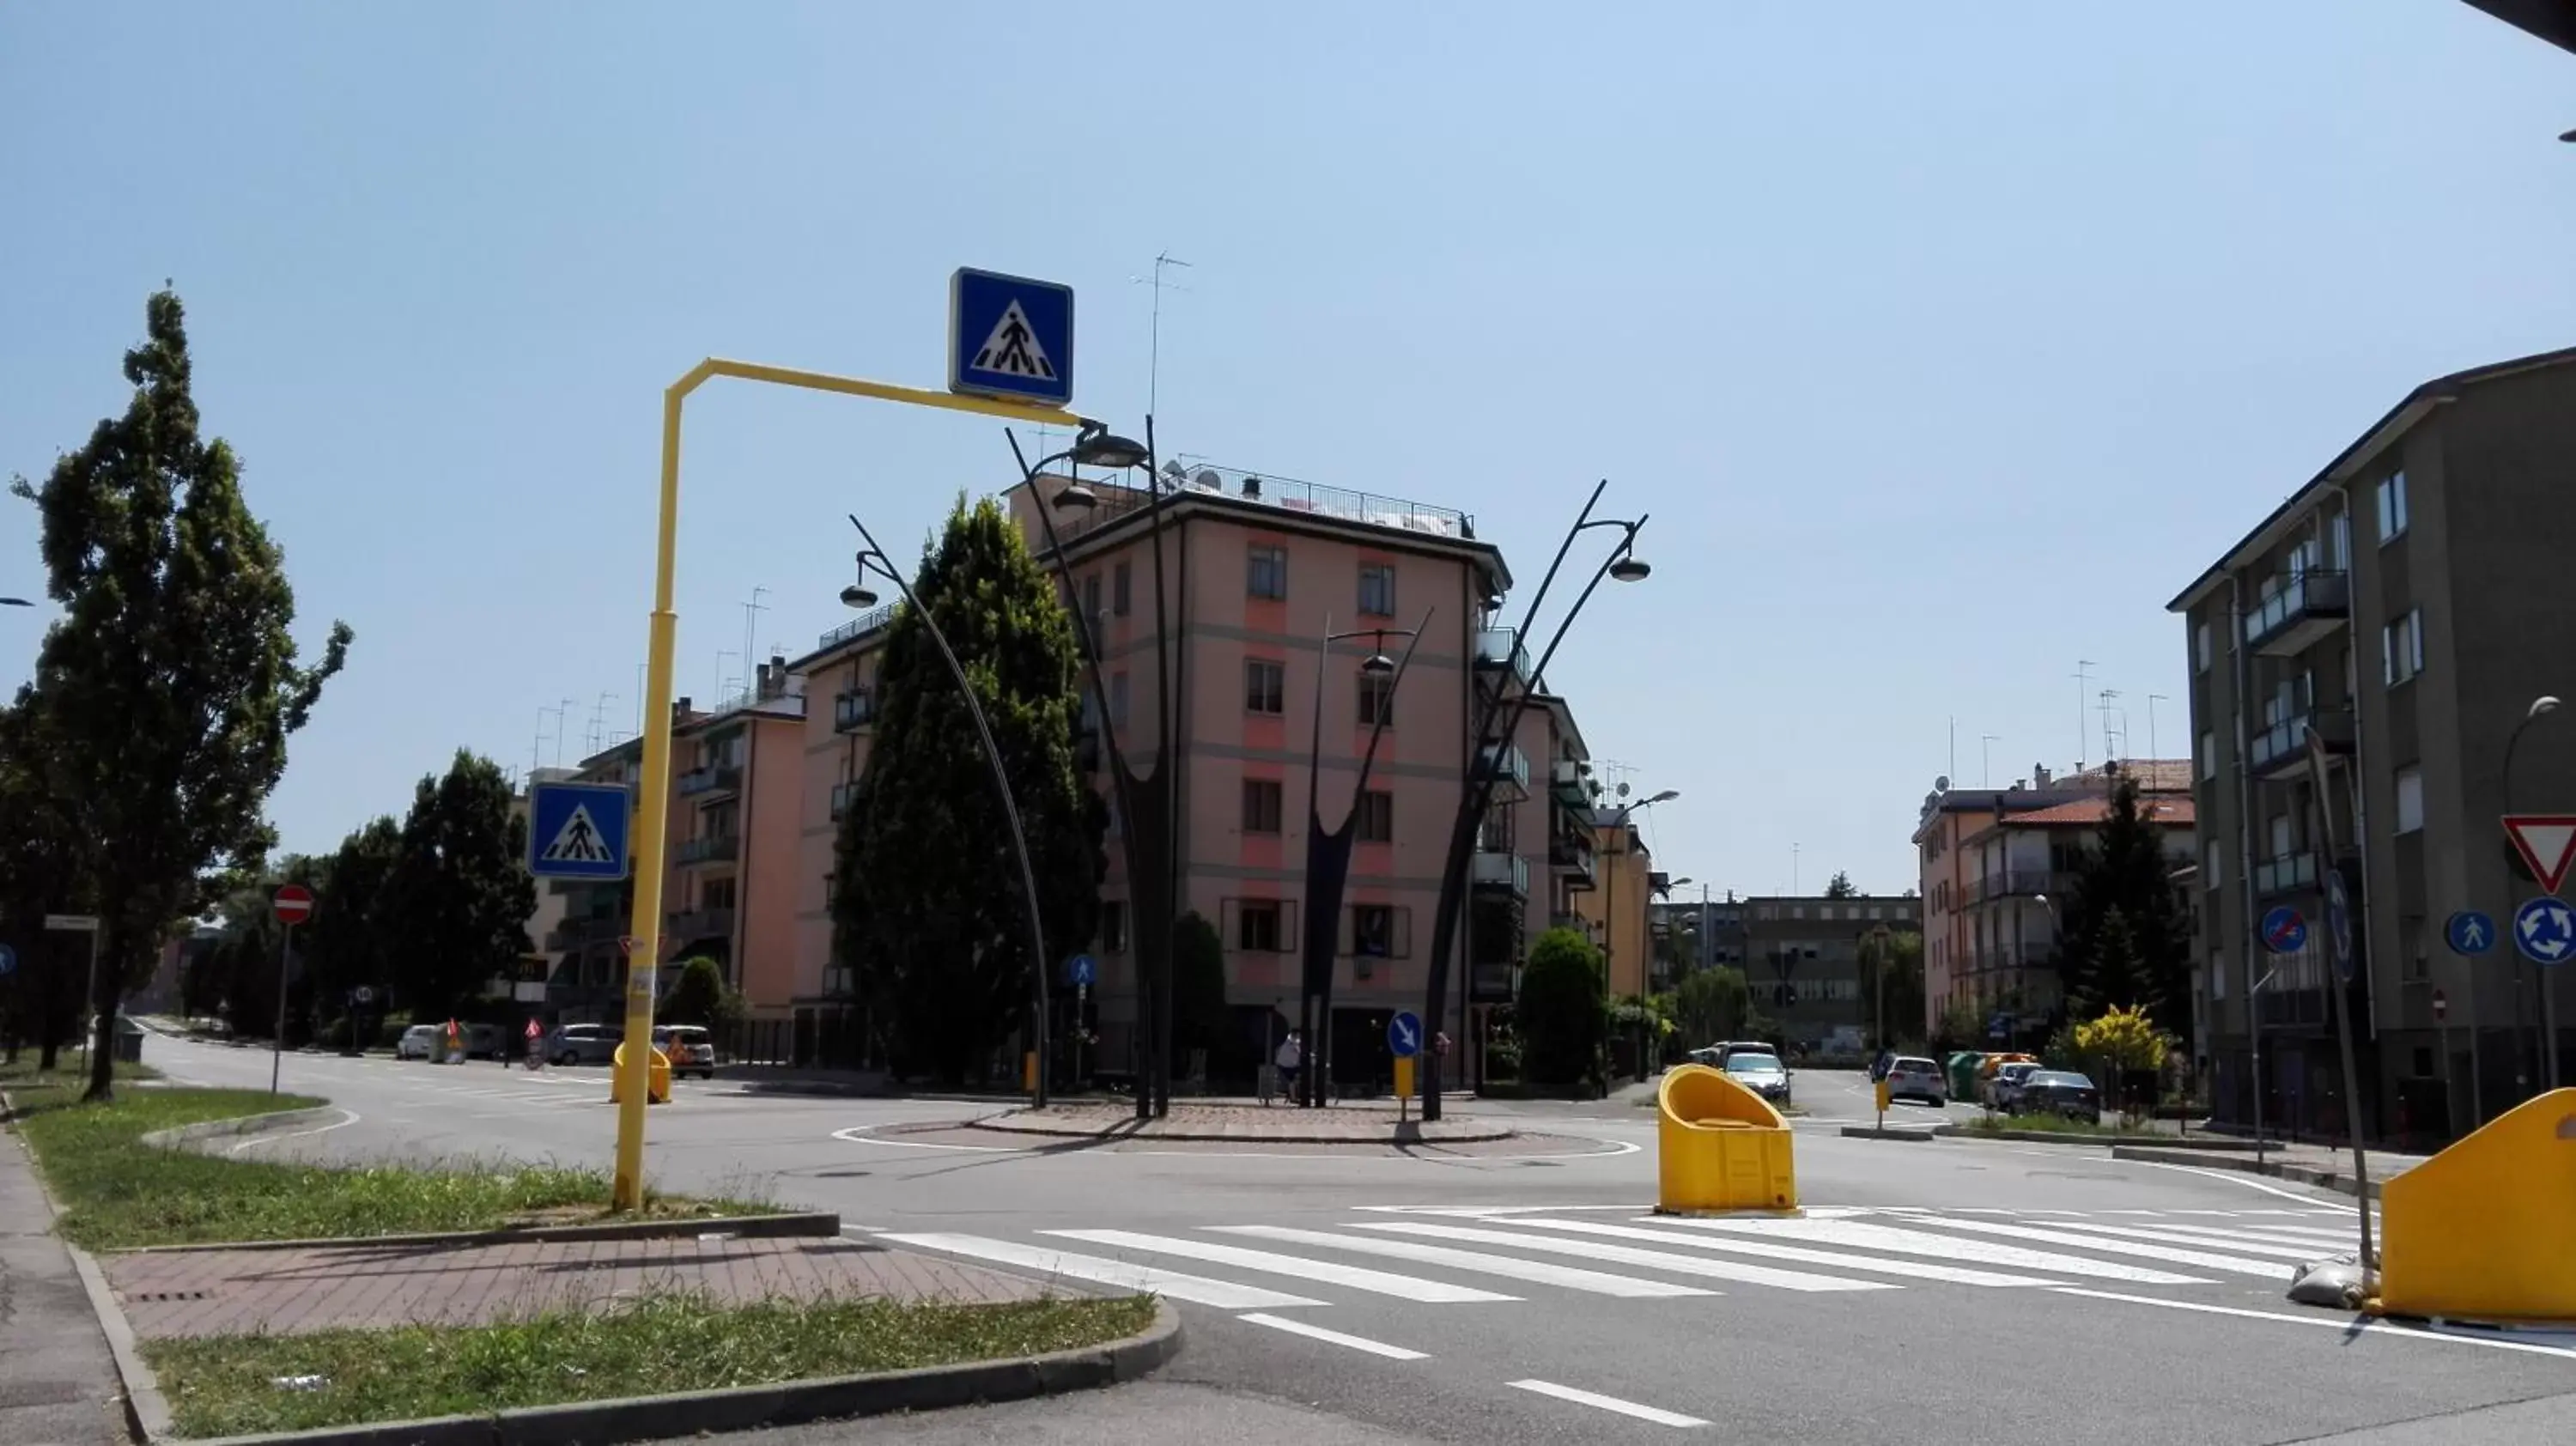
[[1961, 1027], [701, 996], [1713, 1004], [2116, 977], [39, 874], [166, 691], [927, 899], [2126, 871], [1200, 1018], [454, 909], [1900, 954], [1563, 1019], [250, 956], [344, 944], [1841, 887]]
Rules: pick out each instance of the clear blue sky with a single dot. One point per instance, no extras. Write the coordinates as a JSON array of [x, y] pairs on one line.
[[1944, 342]]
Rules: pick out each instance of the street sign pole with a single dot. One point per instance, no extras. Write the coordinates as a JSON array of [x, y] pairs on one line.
[[277, 1046], [89, 999], [2339, 943]]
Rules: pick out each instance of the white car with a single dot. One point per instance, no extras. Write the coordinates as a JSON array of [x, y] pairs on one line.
[[418, 1042], [1914, 1078]]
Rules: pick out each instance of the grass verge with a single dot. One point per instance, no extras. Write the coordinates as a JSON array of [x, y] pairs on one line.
[[230, 1385], [118, 1192], [67, 1073]]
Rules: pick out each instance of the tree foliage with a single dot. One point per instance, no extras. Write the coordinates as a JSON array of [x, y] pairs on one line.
[[701, 996], [1563, 1020], [1841, 887], [2118, 978], [453, 911], [164, 694], [1200, 1018], [1713, 1004], [2123, 1039], [39, 874], [2126, 873], [927, 899], [345, 944], [1900, 954]]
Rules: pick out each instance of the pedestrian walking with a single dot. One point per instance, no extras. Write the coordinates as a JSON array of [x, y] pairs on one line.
[[1290, 1059]]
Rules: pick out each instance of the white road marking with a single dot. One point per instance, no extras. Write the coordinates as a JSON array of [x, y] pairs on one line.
[[1629, 1255], [2288, 1250], [2232, 1177], [1746, 1245], [1889, 1238], [1318, 1333], [348, 1118], [2351, 1325], [1537, 1272], [853, 1136], [1197, 1289], [1655, 1414], [2175, 1255], [1325, 1272]]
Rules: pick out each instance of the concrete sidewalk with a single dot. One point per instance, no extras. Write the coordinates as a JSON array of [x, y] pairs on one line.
[[2319, 1165], [58, 1382], [1245, 1122]]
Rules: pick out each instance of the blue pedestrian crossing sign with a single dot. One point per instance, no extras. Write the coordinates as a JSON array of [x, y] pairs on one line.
[[1404, 1034], [1010, 337], [2470, 932], [8, 961], [2339, 924], [2285, 930], [2544, 929], [1081, 969], [579, 830]]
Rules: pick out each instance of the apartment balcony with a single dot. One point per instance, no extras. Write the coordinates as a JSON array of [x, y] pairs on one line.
[[2305, 609], [854, 710], [1576, 922], [574, 935], [2281, 751], [843, 795], [1493, 983], [1505, 764], [2018, 884], [717, 849], [711, 781], [1500, 648], [2289, 874], [1493, 870], [1571, 782], [702, 924], [1573, 860]]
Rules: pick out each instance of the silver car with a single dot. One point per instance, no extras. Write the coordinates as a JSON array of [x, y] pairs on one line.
[[1763, 1074], [583, 1043], [1912, 1077], [2003, 1092]]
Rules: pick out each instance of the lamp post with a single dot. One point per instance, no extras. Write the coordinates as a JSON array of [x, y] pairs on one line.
[[1328, 852], [1503, 708], [857, 595], [1147, 803], [1610, 898], [2524, 1064]]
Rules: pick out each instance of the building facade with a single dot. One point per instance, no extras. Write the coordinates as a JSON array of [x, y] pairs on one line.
[[1803, 963]]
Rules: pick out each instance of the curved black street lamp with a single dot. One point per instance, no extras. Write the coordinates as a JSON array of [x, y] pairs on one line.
[[1328, 852], [1622, 565], [857, 595]]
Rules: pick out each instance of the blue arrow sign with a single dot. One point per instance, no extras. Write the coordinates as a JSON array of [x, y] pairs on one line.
[[579, 830], [2469, 932], [2339, 924], [8, 960], [2544, 929], [1010, 337], [1404, 1034], [2285, 930], [1081, 969]]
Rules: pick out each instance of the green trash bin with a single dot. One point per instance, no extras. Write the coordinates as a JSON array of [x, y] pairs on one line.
[[129, 1041], [1962, 1069]]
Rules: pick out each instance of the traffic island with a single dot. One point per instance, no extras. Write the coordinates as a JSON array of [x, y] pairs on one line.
[[1890, 1132], [1369, 1124]]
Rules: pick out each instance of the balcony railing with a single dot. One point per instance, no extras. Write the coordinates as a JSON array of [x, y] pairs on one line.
[[866, 622], [2284, 746], [2018, 884], [1286, 494], [1501, 871], [1566, 779], [1493, 983], [1571, 856], [716, 778], [843, 794], [1512, 767], [2305, 608], [719, 848], [702, 924], [1576, 922], [853, 710], [1500, 648], [576, 934], [2288, 874]]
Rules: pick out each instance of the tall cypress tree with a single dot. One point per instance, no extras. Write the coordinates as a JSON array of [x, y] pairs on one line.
[[2126, 872], [167, 689], [928, 905], [455, 909]]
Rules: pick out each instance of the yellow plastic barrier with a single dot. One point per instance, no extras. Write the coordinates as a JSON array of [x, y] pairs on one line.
[[2482, 1230], [658, 1074], [1720, 1146]]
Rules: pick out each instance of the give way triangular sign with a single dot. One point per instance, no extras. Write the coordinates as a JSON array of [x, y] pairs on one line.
[[2547, 842]]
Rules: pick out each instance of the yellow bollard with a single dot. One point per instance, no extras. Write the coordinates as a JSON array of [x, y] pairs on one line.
[[2482, 1230], [1029, 1071], [1404, 1078], [657, 1090], [1720, 1146]]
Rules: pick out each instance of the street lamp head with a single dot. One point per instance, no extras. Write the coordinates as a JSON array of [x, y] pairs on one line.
[[858, 595], [1630, 568], [1108, 449], [1378, 665], [15, 602], [1667, 796], [2545, 703], [1074, 497]]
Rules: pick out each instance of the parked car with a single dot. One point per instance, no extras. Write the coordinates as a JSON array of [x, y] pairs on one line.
[[485, 1041], [418, 1042], [583, 1043], [1912, 1077], [1716, 1055], [2061, 1092], [2003, 1090], [691, 1050], [1761, 1073]]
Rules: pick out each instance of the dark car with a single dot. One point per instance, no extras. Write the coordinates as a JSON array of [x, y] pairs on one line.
[[2059, 1092]]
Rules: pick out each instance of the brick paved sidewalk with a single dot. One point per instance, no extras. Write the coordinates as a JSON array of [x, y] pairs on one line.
[[1369, 1123], [224, 1292]]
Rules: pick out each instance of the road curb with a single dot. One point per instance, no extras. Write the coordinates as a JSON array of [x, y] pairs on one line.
[[1888, 1132], [788, 1403], [2335, 1180], [797, 1222], [2055, 1137], [1122, 1130], [179, 1135]]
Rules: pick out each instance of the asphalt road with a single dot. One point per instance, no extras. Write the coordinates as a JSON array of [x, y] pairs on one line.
[[1935, 1291]]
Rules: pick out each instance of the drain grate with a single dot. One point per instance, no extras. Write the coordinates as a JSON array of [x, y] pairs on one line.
[[164, 1297]]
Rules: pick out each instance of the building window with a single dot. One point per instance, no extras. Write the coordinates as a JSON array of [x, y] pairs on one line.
[[1256, 927], [1377, 700], [2200, 647], [1121, 589], [1377, 816], [1091, 600], [1113, 926], [2392, 506], [1261, 805], [2208, 755], [2401, 648], [2410, 798], [1265, 686], [1118, 700], [2211, 869], [1377, 591], [1265, 572], [1373, 931]]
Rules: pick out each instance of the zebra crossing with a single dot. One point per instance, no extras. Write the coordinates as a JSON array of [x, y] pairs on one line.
[[1471, 1256]]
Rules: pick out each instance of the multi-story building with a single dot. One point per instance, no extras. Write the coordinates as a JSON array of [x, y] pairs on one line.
[[1803, 962], [1711, 929], [2403, 608], [1616, 912]]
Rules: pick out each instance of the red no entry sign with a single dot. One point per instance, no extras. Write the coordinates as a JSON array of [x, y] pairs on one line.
[[292, 903]]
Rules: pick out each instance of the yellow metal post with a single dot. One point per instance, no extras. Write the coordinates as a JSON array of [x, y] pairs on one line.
[[652, 806]]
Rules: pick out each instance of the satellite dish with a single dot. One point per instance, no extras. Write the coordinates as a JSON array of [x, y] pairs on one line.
[[1174, 470], [1623, 790], [1207, 477], [1941, 784]]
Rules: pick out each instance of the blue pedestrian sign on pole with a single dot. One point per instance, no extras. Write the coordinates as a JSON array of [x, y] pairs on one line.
[[1404, 1034], [2285, 930], [1010, 337], [8, 961], [2339, 924], [2469, 932], [579, 830], [2544, 929], [1081, 969]]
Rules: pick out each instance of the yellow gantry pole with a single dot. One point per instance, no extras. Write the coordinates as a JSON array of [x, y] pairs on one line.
[[652, 801]]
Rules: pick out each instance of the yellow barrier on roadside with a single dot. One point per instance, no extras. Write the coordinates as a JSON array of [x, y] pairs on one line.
[[2483, 1230], [658, 1092], [1720, 1146]]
